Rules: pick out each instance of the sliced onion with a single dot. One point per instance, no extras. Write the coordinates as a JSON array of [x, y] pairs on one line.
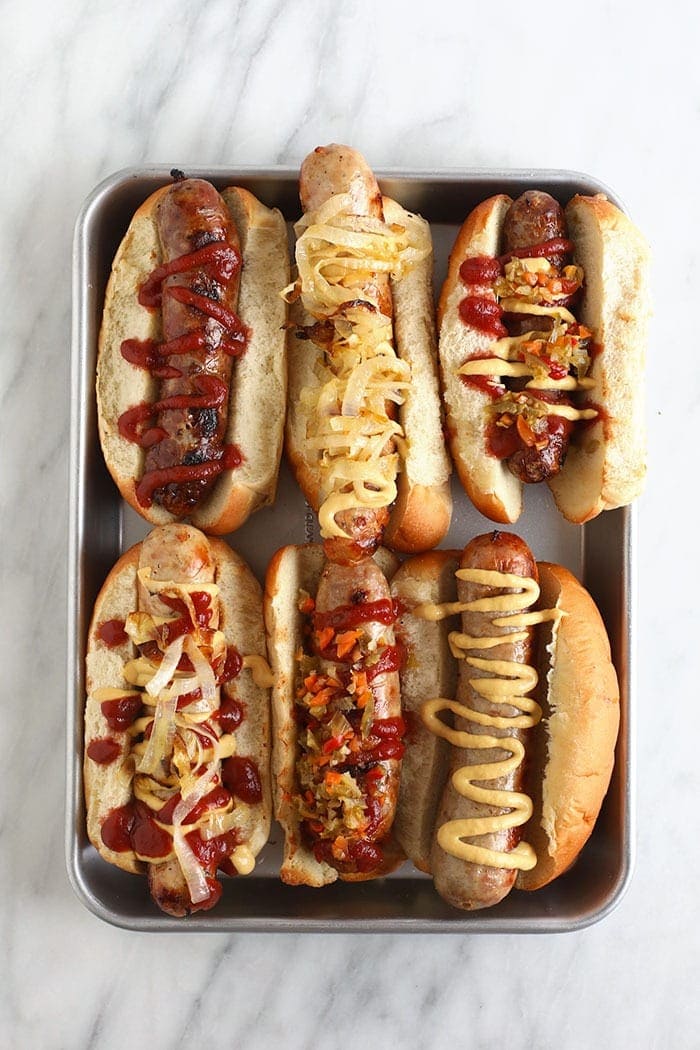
[[219, 822], [337, 251], [160, 740], [204, 673], [374, 370], [194, 873], [167, 669], [196, 794]]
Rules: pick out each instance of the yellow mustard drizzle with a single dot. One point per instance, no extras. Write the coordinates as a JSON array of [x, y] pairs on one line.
[[260, 670], [507, 682], [339, 256], [500, 364]]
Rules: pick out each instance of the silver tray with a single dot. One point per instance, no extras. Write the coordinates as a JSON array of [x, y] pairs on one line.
[[101, 527]]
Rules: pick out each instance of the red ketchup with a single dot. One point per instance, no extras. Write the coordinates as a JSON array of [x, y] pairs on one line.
[[112, 633], [555, 247], [242, 778], [132, 827], [233, 665], [220, 258], [201, 602], [212, 853], [390, 732], [231, 714], [220, 262], [217, 798], [156, 479], [116, 829], [344, 617], [483, 314], [480, 269], [121, 712], [478, 310], [103, 751], [366, 856], [391, 659]]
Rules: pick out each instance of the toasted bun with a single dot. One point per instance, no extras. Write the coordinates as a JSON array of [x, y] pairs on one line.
[[243, 625], [291, 570], [581, 715], [258, 389], [421, 515], [429, 671], [181, 549], [108, 787], [605, 464], [493, 490]]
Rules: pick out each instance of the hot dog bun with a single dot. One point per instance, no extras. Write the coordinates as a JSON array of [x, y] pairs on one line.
[[294, 575], [258, 387], [580, 701], [429, 670], [382, 234], [605, 464], [179, 562], [569, 753]]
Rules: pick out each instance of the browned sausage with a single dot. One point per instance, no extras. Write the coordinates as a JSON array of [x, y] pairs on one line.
[[328, 171], [166, 552], [199, 321], [354, 637], [535, 218], [364, 526], [464, 883]]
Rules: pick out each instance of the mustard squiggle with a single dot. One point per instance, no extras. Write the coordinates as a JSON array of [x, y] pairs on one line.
[[506, 683]]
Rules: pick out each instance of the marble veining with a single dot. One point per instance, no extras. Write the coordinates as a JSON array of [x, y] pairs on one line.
[[90, 89]]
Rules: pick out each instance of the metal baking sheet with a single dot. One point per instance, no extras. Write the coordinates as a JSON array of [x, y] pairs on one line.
[[101, 527]]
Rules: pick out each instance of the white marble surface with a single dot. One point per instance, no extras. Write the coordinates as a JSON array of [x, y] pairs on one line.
[[612, 90]]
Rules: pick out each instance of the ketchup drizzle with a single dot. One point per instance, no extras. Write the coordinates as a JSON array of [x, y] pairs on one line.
[[221, 260], [483, 314], [112, 633], [155, 479], [103, 751], [345, 617], [242, 778], [121, 712], [137, 424]]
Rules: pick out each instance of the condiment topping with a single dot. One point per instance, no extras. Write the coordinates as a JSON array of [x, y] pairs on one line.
[[343, 747], [183, 752], [503, 683], [518, 371], [351, 420], [203, 394], [112, 633]]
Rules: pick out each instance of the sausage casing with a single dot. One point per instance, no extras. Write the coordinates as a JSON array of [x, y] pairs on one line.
[[202, 334], [487, 662], [534, 219], [175, 722], [350, 727], [326, 172]]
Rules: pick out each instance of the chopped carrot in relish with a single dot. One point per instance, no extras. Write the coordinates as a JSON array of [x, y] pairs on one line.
[[525, 431], [325, 637], [346, 642]]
